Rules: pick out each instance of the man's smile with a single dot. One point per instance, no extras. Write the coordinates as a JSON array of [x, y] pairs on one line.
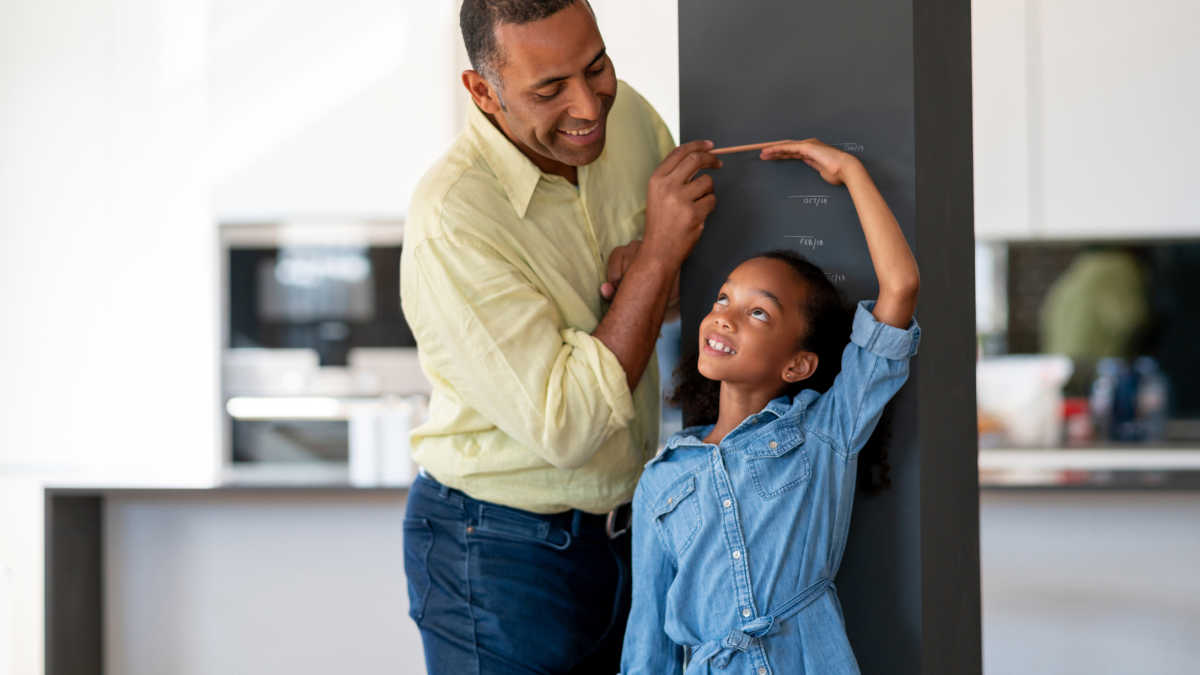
[[583, 135]]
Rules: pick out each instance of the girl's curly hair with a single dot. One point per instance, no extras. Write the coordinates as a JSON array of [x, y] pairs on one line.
[[829, 321]]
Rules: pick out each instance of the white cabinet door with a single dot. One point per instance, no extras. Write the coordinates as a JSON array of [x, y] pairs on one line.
[[1000, 99], [1090, 106]]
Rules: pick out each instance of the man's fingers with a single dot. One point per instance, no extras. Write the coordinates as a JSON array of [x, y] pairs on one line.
[[616, 269], [694, 162], [675, 156], [608, 290], [699, 187], [707, 203]]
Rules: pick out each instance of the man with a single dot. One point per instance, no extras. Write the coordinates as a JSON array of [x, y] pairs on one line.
[[545, 396]]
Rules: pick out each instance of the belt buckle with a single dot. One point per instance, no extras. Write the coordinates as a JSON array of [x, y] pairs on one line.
[[610, 523]]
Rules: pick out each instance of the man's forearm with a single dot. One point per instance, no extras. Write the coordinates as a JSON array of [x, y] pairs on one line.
[[632, 324]]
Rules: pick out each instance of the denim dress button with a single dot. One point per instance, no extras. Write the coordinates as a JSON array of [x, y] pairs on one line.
[[746, 612], [772, 445], [728, 503], [737, 555]]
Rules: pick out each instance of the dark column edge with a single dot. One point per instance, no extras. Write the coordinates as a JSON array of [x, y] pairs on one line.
[[951, 605]]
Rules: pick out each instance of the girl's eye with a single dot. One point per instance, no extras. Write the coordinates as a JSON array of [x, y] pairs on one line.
[[722, 299], [759, 314]]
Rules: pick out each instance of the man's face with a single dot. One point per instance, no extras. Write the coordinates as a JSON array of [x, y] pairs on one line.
[[557, 85]]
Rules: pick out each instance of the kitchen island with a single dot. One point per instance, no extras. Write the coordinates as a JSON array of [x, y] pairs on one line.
[[296, 578]]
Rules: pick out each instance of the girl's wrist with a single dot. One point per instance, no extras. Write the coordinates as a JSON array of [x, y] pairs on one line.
[[851, 169]]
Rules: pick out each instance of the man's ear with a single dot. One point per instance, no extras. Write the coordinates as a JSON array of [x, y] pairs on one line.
[[800, 367], [482, 92]]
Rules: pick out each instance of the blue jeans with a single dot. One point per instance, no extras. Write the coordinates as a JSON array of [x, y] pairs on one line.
[[497, 590]]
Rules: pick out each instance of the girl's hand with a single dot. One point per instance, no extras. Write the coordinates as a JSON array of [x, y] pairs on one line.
[[833, 164]]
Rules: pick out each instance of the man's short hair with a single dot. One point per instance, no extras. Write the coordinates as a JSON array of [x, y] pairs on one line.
[[478, 20]]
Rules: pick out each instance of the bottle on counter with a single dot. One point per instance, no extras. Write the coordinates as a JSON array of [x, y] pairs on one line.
[[1103, 396], [1129, 404], [1152, 397]]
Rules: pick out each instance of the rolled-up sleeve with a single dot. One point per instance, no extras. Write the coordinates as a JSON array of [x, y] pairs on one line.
[[504, 349], [874, 366]]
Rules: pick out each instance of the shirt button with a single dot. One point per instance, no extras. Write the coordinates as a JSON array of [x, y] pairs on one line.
[[762, 671], [737, 555], [772, 445], [728, 503], [746, 612]]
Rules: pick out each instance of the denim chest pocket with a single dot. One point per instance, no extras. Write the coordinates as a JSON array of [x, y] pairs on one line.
[[778, 465], [677, 514]]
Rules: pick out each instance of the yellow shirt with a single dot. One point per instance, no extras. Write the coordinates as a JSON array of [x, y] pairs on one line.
[[500, 282]]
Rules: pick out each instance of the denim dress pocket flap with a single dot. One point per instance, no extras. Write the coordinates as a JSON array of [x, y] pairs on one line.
[[678, 525], [778, 461], [781, 440]]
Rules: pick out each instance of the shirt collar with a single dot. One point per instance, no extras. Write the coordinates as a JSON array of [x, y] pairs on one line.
[[775, 409], [516, 173]]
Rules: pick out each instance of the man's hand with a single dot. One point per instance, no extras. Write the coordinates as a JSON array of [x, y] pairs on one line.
[[677, 202], [618, 263]]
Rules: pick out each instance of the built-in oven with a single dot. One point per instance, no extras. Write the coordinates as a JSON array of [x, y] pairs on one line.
[[319, 371]]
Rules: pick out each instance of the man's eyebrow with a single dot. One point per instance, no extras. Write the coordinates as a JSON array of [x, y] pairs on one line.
[[559, 78]]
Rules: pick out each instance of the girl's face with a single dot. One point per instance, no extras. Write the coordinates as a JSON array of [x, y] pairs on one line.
[[752, 334]]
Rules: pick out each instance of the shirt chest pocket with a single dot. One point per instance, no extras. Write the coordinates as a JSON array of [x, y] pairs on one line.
[[778, 465], [677, 514]]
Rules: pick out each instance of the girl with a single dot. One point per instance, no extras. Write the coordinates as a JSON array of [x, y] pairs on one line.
[[740, 524]]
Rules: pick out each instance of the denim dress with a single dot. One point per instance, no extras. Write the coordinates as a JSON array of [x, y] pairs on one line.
[[735, 545]]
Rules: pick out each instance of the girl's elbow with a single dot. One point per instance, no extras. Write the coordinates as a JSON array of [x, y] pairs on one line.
[[905, 289]]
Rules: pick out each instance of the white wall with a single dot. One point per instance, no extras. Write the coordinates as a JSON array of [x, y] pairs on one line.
[[1085, 118], [328, 113], [107, 266], [643, 39], [338, 114]]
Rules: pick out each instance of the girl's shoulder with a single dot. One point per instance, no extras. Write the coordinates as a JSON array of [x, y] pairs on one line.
[[682, 450]]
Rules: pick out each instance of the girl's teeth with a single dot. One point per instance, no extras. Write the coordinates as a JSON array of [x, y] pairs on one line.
[[720, 346]]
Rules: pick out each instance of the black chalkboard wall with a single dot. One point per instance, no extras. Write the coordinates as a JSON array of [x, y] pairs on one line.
[[889, 81]]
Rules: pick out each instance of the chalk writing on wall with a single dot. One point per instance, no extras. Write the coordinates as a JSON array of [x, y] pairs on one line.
[[811, 200]]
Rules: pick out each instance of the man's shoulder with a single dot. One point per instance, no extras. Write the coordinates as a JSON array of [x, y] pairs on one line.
[[458, 194], [638, 128], [631, 102]]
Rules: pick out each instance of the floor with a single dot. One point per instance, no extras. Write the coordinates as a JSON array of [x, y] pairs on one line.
[[1094, 583]]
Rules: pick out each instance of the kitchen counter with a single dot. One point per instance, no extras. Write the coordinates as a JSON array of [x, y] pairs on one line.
[[1115, 467]]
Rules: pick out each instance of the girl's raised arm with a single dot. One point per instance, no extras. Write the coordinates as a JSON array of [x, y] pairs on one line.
[[895, 266]]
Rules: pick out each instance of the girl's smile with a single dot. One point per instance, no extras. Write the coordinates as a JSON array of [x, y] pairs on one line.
[[719, 345]]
